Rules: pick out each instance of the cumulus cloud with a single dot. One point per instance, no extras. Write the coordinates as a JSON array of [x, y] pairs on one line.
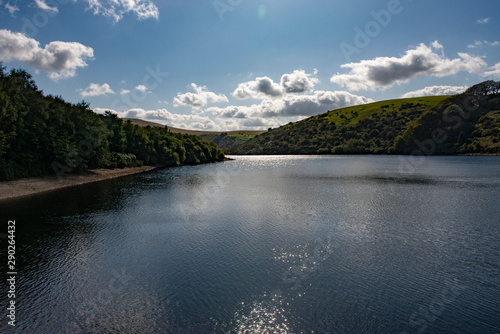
[[259, 88], [292, 105], [264, 87], [484, 20], [96, 90], [141, 88], [59, 59], [383, 72], [436, 90], [115, 9], [124, 91], [43, 5], [11, 8], [200, 98], [297, 82]]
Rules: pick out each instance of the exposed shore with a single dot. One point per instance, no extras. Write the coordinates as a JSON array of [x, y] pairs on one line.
[[32, 186]]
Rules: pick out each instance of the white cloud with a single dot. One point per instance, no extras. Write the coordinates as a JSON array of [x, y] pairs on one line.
[[493, 72], [483, 21], [383, 72], [495, 43], [43, 5], [97, 90], [141, 88], [480, 43], [264, 87], [436, 45], [124, 91], [115, 9], [259, 88], [436, 90], [59, 59], [298, 82], [475, 45], [292, 105], [198, 99], [11, 8]]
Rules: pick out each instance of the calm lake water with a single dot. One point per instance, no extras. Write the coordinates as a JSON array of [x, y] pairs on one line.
[[285, 244]]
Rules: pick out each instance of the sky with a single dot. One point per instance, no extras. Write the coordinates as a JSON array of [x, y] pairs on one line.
[[225, 65]]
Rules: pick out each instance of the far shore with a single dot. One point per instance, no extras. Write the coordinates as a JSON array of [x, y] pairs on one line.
[[31, 186]]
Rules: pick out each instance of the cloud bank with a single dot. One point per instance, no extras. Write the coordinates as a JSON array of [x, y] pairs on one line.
[[436, 90], [59, 59], [384, 72], [292, 105]]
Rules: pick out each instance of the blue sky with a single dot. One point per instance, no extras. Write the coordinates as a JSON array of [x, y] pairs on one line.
[[243, 64]]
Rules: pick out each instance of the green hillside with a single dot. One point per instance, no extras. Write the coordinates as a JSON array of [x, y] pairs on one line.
[[227, 140], [462, 124]]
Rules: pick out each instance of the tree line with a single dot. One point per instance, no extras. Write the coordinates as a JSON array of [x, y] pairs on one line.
[[42, 135]]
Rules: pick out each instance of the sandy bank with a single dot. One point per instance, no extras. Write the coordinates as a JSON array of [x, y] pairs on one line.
[[31, 186]]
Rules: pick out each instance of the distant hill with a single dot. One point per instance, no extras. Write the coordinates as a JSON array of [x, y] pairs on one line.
[[192, 132], [223, 140], [468, 123]]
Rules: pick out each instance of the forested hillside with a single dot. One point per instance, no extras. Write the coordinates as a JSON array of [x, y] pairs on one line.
[[463, 124], [41, 135]]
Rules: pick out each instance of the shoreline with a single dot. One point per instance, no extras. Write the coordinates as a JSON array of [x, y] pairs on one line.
[[33, 186], [16, 189]]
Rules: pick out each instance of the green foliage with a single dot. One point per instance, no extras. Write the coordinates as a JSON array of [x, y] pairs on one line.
[[461, 124], [227, 140], [42, 135]]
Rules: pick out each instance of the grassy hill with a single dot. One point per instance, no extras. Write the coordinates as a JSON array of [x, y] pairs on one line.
[[462, 124]]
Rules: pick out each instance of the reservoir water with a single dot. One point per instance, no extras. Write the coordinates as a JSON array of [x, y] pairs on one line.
[[276, 244]]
